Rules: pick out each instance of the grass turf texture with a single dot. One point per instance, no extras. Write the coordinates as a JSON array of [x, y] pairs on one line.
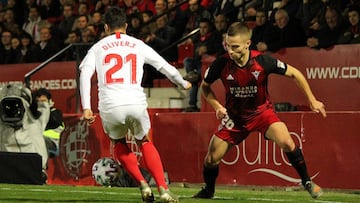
[[225, 194]]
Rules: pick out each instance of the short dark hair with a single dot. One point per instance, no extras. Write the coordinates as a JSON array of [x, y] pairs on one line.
[[41, 92], [115, 18]]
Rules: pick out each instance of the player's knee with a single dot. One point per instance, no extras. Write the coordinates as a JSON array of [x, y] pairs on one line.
[[287, 145], [211, 161]]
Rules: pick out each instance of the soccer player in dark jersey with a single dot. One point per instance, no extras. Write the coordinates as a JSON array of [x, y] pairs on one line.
[[244, 74]]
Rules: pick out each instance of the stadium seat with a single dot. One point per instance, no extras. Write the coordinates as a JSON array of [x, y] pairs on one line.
[[185, 50]]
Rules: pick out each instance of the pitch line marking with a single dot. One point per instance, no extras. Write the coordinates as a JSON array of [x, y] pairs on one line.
[[180, 196]]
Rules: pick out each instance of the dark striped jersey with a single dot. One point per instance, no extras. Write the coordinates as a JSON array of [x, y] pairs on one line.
[[245, 87]]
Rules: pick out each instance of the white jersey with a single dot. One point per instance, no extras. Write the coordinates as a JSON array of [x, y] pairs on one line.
[[118, 60]]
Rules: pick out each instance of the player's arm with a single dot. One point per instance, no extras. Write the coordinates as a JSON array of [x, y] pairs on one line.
[[300, 80], [87, 69], [161, 65], [210, 97], [174, 76]]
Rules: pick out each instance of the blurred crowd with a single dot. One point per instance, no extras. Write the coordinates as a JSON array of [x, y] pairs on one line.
[[34, 30]]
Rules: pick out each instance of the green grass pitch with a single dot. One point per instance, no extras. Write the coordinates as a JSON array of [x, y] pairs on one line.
[[10, 193]]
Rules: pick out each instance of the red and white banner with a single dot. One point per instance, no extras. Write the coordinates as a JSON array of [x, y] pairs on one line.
[[330, 147]]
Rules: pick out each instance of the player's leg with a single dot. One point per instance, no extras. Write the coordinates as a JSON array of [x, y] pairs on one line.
[[127, 159], [115, 125], [151, 158], [279, 133], [216, 151], [153, 164]]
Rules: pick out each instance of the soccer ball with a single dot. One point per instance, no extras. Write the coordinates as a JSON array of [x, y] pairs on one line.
[[106, 171]]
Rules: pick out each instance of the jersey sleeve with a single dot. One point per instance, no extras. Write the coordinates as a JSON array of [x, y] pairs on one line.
[[214, 71], [271, 65], [87, 69], [161, 65]]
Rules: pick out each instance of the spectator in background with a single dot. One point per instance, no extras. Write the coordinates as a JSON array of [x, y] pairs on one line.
[[176, 18], [48, 46], [205, 42], [308, 13], [71, 54], [221, 25], [34, 23], [149, 27], [352, 33], [27, 50], [73, 37], [162, 38], [330, 34], [50, 10], [7, 54], [88, 35], [194, 13], [97, 22], [160, 7], [10, 23], [83, 10], [290, 6], [55, 126], [102, 5], [251, 7], [18, 8], [287, 32], [81, 23], [349, 4], [225, 7], [262, 25], [319, 21], [134, 25], [67, 22], [15, 43]]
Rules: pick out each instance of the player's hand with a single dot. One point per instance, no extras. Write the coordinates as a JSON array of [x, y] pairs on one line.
[[318, 107], [221, 113], [188, 85], [88, 116]]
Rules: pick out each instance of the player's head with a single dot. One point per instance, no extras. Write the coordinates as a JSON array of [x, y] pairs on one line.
[[238, 40], [42, 94], [115, 18]]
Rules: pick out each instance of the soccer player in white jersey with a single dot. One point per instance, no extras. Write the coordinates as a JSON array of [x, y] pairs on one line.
[[118, 60]]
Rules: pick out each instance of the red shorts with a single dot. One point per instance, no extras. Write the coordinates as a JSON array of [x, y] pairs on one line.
[[235, 134]]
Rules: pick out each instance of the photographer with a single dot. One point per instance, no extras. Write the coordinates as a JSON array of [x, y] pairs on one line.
[[22, 122], [55, 126]]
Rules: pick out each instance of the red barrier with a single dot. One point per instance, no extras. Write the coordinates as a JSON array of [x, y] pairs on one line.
[[329, 145]]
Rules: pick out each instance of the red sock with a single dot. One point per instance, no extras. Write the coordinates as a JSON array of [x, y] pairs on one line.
[[153, 163], [128, 160]]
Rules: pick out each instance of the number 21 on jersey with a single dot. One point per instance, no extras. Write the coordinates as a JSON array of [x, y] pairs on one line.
[[119, 64]]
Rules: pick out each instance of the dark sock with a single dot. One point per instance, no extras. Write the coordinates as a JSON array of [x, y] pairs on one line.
[[210, 175], [296, 158]]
